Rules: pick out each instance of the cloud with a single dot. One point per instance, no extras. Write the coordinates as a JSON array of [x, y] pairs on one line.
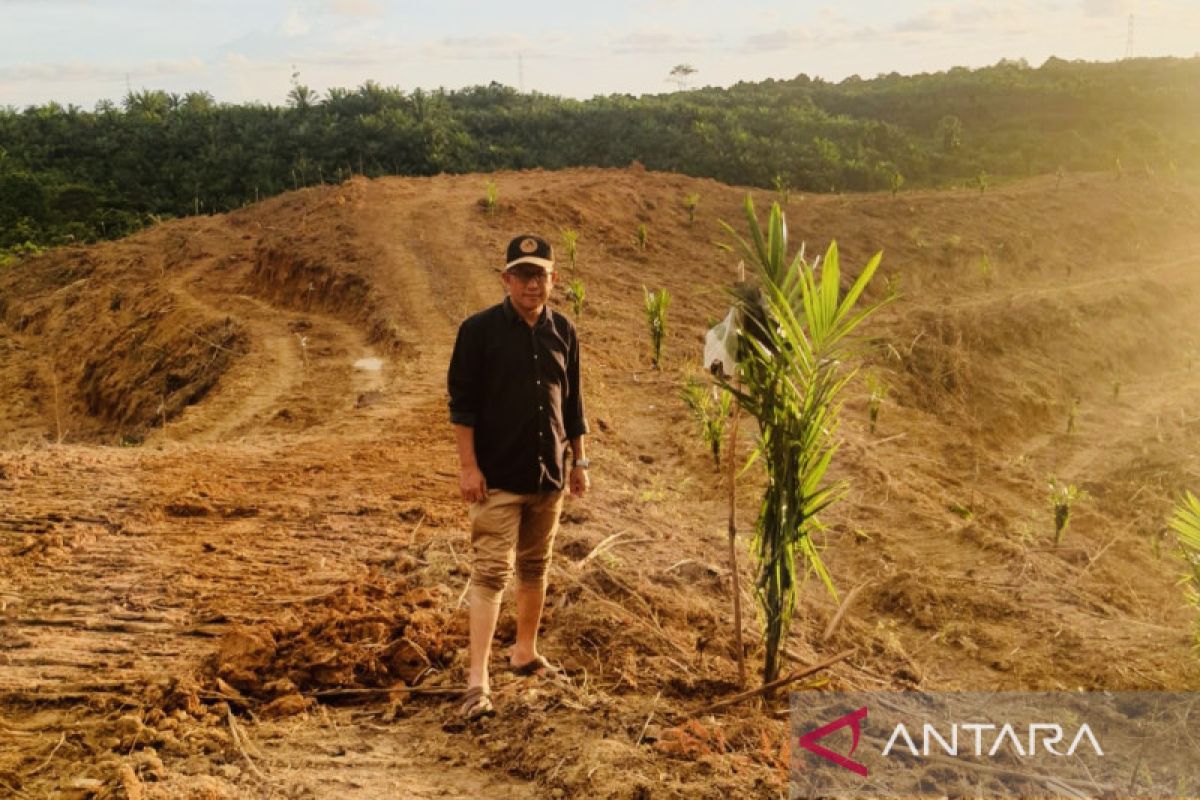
[[242, 62], [353, 8], [830, 28], [659, 42], [361, 57], [295, 25], [79, 71], [779, 40], [1107, 8], [975, 17], [495, 46]]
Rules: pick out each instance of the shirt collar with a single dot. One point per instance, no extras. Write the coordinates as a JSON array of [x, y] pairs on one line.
[[511, 314]]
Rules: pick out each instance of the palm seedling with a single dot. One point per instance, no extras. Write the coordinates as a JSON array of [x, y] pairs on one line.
[[570, 239], [794, 341], [986, 270], [491, 197], [575, 292], [878, 393], [691, 202], [1062, 497], [656, 316], [711, 407], [1186, 523], [640, 236], [783, 189]]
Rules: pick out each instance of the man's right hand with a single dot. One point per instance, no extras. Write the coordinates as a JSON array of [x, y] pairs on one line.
[[472, 484]]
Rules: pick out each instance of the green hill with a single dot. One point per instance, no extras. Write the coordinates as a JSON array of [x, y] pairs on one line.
[[67, 174]]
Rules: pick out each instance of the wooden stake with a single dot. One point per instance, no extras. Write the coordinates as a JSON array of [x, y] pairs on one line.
[[733, 560]]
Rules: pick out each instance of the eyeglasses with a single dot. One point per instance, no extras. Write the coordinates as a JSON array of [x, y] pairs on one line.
[[525, 276]]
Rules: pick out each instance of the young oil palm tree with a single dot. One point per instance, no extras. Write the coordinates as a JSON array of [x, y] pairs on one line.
[[576, 292], [656, 304], [1186, 524], [570, 239], [796, 335]]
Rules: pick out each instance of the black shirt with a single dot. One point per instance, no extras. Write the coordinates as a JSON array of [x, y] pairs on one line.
[[518, 387]]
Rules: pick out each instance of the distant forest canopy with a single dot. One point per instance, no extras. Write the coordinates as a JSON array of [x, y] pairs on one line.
[[72, 175]]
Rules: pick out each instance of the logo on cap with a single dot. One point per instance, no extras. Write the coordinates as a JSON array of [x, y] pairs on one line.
[[528, 246]]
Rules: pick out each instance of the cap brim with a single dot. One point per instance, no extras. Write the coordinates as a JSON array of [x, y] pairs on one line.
[[544, 263]]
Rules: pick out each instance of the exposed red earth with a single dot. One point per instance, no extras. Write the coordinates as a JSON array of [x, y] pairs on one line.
[[232, 556]]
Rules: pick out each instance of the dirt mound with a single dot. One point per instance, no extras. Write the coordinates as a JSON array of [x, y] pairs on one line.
[[311, 260], [376, 634], [97, 354]]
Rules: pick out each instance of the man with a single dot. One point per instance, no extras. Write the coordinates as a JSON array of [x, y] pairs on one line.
[[515, 404]]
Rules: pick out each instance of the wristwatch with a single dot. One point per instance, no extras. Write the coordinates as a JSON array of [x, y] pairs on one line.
[[582, 463]]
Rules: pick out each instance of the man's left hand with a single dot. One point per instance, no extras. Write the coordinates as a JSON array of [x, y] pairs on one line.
[[580, 482]]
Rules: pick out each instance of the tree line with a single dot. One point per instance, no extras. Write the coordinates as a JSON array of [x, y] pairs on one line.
[[68, 174]]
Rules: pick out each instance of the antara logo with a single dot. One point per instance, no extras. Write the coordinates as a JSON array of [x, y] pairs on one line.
[[1046, 734], [854, 719]]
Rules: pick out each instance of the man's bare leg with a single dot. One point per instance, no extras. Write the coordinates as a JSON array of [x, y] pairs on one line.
[[484, 610], [531, 598]]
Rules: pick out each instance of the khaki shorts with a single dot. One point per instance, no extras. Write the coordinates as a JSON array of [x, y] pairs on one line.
[[509, 527]]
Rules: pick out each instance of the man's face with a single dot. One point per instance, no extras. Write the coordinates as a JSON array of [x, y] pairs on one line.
[[528, 287]]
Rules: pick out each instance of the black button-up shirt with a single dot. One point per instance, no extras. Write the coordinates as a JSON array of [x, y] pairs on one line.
[[518, 387]]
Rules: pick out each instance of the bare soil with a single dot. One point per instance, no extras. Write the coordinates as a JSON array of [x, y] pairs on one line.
[[232, 557]]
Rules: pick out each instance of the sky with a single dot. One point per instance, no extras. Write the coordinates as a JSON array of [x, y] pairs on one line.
[[82, 51]]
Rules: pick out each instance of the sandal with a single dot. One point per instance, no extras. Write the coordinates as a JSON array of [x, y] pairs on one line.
[[539, 666], [476, 703]]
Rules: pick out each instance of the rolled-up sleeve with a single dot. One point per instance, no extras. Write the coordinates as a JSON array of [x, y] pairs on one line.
[[465, 377], [574, 421]]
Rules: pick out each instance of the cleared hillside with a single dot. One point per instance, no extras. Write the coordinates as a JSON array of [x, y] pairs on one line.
[[283, 520]]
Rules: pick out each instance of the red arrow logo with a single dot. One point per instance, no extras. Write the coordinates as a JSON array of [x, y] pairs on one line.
[[809, 740]]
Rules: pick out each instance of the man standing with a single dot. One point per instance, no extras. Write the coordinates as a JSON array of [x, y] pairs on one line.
[[516, 406]]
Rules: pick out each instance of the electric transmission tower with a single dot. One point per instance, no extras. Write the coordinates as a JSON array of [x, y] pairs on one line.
[[1129, 39]]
